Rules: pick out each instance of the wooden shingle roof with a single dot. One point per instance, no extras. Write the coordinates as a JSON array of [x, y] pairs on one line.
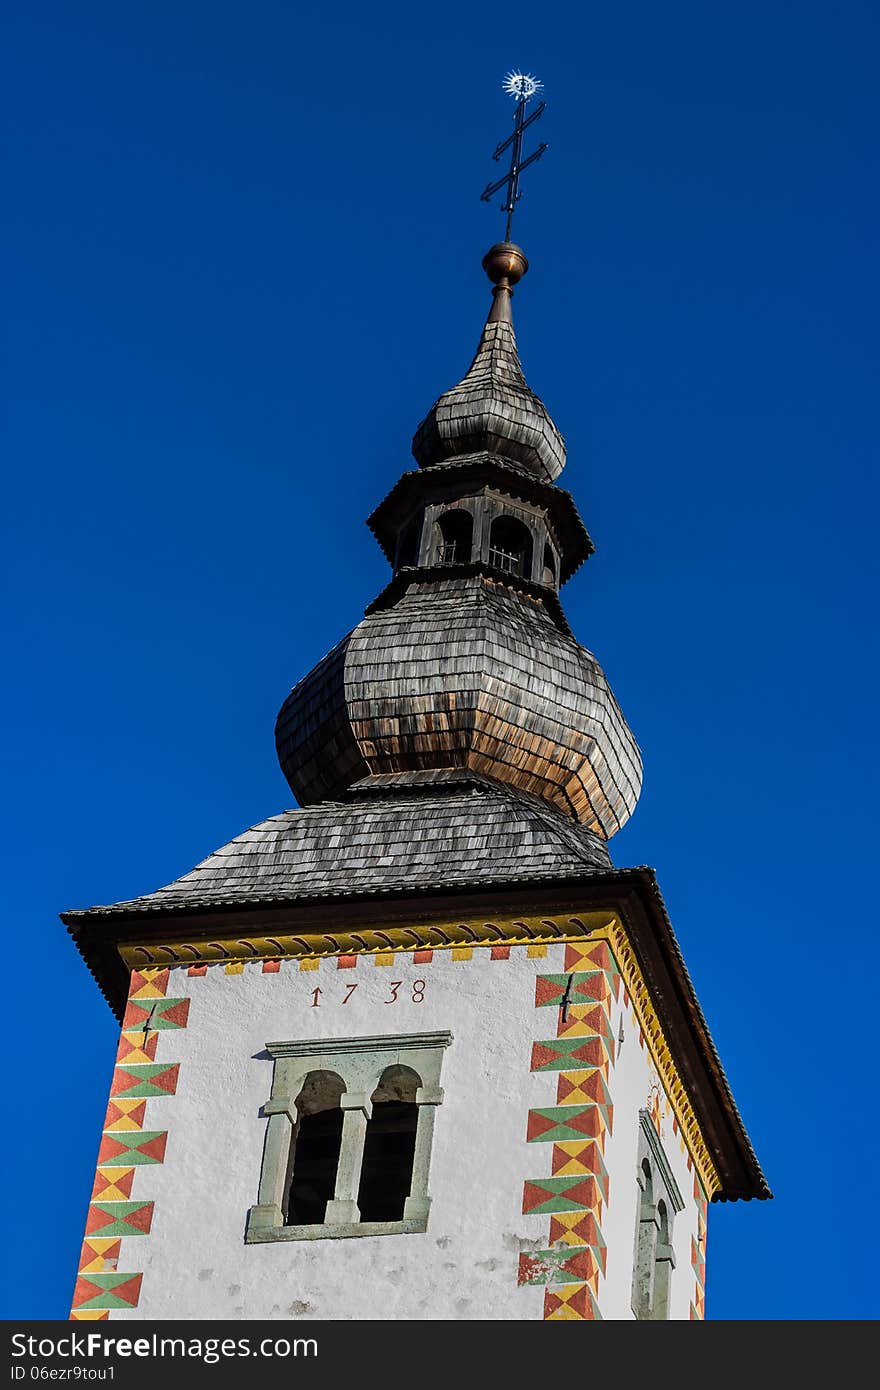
[[464, 672], [469, 835], [492, 408]]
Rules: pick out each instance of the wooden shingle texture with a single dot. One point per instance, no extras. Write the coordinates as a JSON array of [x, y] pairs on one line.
[[492, 408], [438, 839], [465, 673]]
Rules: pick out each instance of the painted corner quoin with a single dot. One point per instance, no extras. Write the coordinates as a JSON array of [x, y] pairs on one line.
[[127, 1145], [572, 1193], [572, 1184]]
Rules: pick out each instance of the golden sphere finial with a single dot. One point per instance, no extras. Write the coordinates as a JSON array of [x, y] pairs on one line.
[[505, 263]]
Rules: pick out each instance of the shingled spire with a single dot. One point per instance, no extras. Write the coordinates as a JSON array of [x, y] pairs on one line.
[[492, 408], [464, 668]]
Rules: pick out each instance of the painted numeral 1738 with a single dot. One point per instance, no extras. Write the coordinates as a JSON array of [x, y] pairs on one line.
[[418, 992]]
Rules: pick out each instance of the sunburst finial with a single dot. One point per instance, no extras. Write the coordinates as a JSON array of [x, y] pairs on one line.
[[521, 85]]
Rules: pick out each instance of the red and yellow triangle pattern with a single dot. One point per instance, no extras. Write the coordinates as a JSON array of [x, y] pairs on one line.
[[582, 1053], [113, 1184], [573, 1303], [125, 1113], [136, 1045], [127, 1146], [100, 1255]]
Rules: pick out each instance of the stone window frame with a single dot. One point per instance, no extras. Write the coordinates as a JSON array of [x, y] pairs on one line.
[[653, 1259], [360, 1062]]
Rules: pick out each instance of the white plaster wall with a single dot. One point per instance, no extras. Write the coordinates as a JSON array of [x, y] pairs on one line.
[[195, 1261]]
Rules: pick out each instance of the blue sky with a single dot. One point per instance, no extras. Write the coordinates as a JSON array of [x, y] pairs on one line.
[[244, 253]]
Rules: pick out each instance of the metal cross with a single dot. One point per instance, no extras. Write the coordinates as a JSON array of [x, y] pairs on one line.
[[523, 88]]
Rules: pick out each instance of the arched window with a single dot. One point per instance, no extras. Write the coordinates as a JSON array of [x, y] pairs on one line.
[[455, 538], [659, 1200], [408, 544], [549, 573], [338, 1160], [389, 1146], [314, 1152], [646, 1240], [510, 546]]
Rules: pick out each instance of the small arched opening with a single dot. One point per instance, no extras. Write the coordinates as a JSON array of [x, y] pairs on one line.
[[648, 1189], [455, 531], [314, 1151], [408, 544], [548, 574], [389, 1146], [510, 546]]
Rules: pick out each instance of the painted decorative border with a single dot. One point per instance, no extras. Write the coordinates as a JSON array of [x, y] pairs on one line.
[[652, 1030], [503, 931], [582, 1053], [126, 1146]]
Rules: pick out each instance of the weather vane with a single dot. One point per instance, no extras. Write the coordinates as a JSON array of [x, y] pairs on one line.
[[522, 88]]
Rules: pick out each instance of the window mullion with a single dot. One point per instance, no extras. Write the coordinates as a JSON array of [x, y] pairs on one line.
[[357, 1109], [418, 1201], [273, 1175]]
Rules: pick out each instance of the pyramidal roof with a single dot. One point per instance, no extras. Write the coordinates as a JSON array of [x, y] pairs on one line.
[[450, 835]]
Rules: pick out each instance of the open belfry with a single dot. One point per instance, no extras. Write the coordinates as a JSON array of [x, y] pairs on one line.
[[417, 1049]]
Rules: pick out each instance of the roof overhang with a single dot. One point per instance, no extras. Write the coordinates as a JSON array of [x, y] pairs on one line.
[[410, 574]]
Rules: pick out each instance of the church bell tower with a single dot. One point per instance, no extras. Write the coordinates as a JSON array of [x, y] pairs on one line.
[[416, 1049]]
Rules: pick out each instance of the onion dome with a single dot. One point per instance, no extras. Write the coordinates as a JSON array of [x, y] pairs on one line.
[[492, 407], [463, 674]]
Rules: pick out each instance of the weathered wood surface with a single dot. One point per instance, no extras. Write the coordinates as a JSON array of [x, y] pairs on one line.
[[466, 673], [492, 408], [456, 478], [441, 836]]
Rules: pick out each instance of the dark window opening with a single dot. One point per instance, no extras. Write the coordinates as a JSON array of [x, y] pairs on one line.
[[549, 575], [314, 1155], [510, 546], [455, 541], [389, 1147], [408, 544]]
